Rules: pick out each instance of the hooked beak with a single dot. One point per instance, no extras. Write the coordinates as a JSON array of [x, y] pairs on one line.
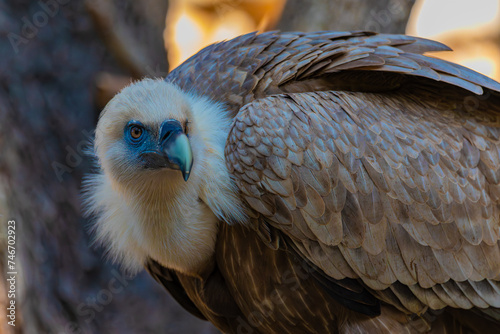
[[175, 150], [175, 144]]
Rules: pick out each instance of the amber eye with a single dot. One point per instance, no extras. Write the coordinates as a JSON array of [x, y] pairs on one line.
[[135, 132]]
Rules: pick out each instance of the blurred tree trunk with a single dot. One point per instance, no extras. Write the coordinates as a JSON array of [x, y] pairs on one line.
[[51, 55], [388, 16]]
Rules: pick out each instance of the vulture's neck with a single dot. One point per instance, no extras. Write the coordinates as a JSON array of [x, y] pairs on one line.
[[171, 225]]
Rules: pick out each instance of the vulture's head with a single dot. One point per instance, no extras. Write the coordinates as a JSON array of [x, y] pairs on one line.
[[146, 129], [163, 185]]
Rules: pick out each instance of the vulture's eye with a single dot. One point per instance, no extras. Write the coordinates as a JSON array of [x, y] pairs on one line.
[[135, 132]]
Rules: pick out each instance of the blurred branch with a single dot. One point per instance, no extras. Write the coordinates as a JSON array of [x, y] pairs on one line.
[[132, 32], [388, 16], [114, 34], [108, 85]]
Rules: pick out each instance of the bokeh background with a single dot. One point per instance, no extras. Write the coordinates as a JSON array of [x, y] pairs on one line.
[[62, 60]]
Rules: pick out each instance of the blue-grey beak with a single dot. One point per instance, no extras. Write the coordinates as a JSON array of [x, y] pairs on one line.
[[174, 143]]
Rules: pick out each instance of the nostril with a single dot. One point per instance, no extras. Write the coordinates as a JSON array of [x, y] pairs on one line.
[[168, 128], [165, 135]]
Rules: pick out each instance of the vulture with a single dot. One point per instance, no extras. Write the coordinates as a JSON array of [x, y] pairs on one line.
[[326, 182]]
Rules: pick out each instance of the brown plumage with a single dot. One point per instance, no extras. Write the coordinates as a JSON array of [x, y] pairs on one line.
[[369, 178]]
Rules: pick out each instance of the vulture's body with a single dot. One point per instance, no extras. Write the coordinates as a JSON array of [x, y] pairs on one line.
[[336, 182]]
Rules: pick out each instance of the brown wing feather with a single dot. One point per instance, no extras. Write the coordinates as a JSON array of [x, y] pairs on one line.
[[253, 66], [168, 278], [208, 299], [399, 185]]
